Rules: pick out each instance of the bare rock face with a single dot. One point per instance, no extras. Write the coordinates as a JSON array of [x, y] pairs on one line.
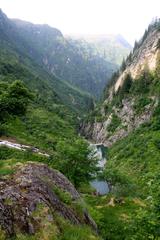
[[33, 185], [144, 56], [98, 131]]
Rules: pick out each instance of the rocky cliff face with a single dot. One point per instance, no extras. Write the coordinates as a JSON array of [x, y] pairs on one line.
[[99, 132], [33, 198], [136, 96], [144, 56]]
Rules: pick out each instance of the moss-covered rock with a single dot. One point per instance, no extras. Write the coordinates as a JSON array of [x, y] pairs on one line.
[[34, 198]]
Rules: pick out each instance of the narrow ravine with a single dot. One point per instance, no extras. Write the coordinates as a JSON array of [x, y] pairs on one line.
[[101, 186]]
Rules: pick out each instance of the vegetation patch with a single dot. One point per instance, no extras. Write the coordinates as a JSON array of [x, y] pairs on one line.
[[115, 123], [141, 103], [63, 195]]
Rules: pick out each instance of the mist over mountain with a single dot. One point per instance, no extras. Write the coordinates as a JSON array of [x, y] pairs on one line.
[[81, 63], [74, 112], [24, 56], [113, 48], [74, 61]]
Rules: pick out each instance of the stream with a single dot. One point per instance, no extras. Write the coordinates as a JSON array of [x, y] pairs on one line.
[[100, 186], [21, 147]]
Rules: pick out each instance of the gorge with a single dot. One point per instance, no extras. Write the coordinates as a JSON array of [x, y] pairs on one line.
[[64, 141], [100, 185]]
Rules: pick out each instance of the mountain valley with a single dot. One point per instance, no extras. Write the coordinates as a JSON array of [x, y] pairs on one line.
[[58, 96]]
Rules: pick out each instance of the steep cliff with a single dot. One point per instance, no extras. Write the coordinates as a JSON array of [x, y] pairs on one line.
[[132, 94], [143, 56]]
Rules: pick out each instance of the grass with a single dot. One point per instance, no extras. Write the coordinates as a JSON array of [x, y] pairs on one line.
[[114, 222], [64, 196], [115, 123], [55, 227], [131, 210], [9, 158], [39, 128], [140, 104], [75, 232]]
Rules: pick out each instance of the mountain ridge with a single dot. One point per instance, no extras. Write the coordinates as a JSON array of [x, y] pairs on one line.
[[113, 48], [16, 53], [68, 60], [119, 115]]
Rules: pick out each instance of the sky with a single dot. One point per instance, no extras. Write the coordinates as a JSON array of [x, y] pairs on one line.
[[126, 17]]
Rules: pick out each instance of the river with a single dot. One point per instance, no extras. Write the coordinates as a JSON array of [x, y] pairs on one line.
[[100, 186]]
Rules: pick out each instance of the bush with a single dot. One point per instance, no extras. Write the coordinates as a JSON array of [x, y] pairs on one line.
[[74, 161], [14, 99], [141, 103], [116, 121]]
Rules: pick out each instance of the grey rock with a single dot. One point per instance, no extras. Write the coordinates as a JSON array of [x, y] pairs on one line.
[[31, 184]]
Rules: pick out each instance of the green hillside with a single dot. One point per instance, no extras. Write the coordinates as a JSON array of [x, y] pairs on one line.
[[46, 166], [75, 61], [18, 63], [131, 210]]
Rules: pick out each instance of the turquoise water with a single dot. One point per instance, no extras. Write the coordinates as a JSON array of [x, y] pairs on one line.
[[100, 186]]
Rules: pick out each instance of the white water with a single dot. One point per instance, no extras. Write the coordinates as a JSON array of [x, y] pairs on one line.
[[21, 147], [100, 186]]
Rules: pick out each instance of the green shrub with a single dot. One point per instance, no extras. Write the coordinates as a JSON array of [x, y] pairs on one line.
[[14, 100], [115, 123], [73, 159], [63, 195], [140, 104]]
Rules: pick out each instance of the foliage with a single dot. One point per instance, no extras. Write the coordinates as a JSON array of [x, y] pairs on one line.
[[123, 65], [141, 103], [17, 63], [53, 115], [146, 77], [14, 99], [78, 233], [127, 83], [74, 232], [77, 62], [111, 47], [131, 209], [110, 83], [62, 195], [135, 159], [115, 122], [143, 84], [114, 222], [74, 161], [154, 25], [58, 228]]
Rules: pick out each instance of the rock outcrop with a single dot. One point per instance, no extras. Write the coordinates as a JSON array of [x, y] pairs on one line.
[[144, 56], [98, 131], [33, 185], [143, 59]]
